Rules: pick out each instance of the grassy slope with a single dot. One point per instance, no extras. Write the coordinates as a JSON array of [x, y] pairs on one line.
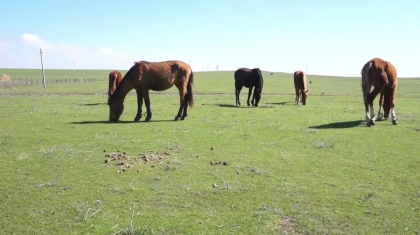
[[323, 172]]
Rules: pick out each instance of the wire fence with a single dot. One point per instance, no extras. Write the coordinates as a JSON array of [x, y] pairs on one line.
[[38, 81]]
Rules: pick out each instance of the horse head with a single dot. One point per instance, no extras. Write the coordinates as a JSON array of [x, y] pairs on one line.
[[258, 85], [116, 107], [304, 96]]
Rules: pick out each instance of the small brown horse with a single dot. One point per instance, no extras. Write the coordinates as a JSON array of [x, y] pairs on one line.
[[115, 79], [382, 75], [249, 78], [144, 76], [301, 90]]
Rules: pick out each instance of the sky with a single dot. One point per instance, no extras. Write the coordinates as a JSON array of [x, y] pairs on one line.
[[324, 37]]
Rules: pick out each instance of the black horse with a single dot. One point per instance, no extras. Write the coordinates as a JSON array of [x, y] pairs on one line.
[[249, 78]]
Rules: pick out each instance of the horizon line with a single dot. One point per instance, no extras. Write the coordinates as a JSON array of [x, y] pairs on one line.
[[323, 75]]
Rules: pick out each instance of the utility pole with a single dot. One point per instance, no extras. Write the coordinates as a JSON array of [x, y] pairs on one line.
[[42, 66]]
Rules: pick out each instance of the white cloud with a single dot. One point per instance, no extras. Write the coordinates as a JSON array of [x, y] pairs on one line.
[[107, 51], [85, 57], [31, 39]]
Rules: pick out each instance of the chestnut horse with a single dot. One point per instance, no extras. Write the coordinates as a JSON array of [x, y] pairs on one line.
[[301, 90], [157, 76], [115, 78], [382, 75], [248, 78]]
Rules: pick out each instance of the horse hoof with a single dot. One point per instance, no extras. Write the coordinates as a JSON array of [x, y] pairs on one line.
[[394, 122], [183, 118], [372, 122], [176, 119], [380, 116]]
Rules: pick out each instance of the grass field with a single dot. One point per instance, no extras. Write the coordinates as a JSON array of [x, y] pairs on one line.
[[284, 169]]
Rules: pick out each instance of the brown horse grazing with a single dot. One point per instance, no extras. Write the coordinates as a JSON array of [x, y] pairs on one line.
[[144, 76], [115, 79], [301, 90], [382, 75], [249, 78]]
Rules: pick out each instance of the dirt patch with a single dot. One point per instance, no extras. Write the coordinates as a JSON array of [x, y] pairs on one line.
[[5, 77], [126, 162], [286, 225], [219, 163]]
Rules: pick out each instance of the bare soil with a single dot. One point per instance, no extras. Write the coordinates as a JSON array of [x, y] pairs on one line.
[[125, 162]]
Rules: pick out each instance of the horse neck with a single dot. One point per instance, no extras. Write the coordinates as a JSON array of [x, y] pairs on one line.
[[123, 88]]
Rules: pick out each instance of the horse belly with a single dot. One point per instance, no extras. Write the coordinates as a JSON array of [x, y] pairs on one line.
[[162, 83]]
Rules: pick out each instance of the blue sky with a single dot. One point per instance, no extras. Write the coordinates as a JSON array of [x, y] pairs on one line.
[[331, 37]]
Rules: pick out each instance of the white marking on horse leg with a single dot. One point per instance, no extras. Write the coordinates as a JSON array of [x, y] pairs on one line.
[[393, 115], [372, 113], [367, 118]]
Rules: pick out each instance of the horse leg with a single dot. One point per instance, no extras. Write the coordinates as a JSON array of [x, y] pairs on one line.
[[381, 104], [146, 97], [249, 95], [370, 98], [297, 96], [387, 104], [392, 99], [182, 100], [253, 98], [238, 89], [185, 113], [139, 105]]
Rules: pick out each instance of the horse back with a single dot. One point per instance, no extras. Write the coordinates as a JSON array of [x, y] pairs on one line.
[[163, 75], [245, 77], [300, 80]]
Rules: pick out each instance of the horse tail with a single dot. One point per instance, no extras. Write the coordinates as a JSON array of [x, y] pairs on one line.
[[366, 73], [261, 81], [189, 90]]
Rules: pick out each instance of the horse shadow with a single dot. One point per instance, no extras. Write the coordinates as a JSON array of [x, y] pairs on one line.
[[339, 125], [280, 103], [119, 122], [92, 104], [228, 105]]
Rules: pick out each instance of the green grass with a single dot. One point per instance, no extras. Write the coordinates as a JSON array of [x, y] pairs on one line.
[[304, 170]]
